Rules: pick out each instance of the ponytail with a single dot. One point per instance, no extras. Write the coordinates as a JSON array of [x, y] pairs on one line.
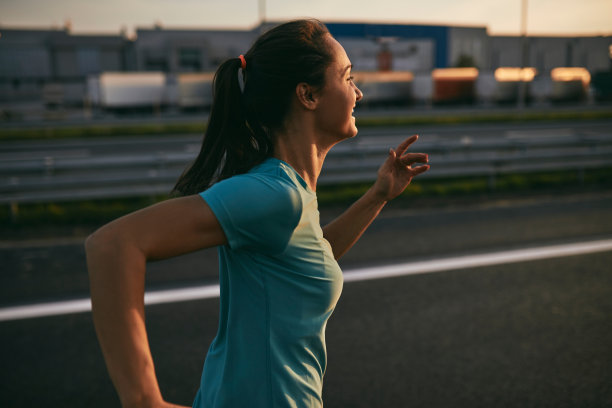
[[242, 120], [230, 145]]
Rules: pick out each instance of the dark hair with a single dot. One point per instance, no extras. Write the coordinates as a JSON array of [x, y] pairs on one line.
[[242, 123]]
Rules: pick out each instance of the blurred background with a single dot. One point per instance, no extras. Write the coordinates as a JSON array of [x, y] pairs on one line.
[[84, 60], [104, 104]]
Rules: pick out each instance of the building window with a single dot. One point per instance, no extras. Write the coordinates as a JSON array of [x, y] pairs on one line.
[[190, 60], [88, 60], [155, 61]]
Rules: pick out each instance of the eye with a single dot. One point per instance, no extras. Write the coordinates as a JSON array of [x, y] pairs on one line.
[[351, 78]]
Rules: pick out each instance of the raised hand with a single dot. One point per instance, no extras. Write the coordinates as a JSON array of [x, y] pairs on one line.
[[397, 172]]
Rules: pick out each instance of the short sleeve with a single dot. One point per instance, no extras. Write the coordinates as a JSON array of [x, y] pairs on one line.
[[256, 211]]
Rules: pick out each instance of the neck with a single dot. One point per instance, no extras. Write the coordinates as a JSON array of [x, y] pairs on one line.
[[300, 149]]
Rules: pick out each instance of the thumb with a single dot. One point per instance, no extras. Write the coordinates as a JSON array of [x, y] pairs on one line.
[[388, 164]]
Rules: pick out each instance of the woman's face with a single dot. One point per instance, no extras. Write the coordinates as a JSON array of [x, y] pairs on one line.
[[338, 97]]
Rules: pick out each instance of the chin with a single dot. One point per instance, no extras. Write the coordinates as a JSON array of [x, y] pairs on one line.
[[349, 131], [351, 134], [354, 129]]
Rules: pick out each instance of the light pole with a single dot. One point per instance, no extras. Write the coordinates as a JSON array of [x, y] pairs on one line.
[[262, 12], [522, 91]]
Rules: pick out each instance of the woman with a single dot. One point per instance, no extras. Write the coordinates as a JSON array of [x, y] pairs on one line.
[[277, 111]]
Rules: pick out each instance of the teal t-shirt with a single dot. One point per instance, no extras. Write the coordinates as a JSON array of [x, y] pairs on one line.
[[279, 285]]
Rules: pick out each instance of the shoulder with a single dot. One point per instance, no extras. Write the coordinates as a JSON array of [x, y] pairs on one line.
[[257, 205], [266, 184]]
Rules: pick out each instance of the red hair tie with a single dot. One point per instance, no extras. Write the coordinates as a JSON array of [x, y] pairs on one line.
[[242, 62]]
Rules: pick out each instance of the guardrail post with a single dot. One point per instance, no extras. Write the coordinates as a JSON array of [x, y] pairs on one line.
[[581, 175], [14, 211], [493, 174], [492, 180], [49, 163]]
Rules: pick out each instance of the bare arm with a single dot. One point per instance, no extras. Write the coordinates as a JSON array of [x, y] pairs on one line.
[[116, 259], [393, 177]]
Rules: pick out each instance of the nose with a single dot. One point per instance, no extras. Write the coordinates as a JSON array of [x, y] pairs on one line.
[[358, 93]]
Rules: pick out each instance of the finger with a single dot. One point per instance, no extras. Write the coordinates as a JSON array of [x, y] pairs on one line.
[[389, 163], [402, 147], [410, 158], [390, 158], [419, 170]]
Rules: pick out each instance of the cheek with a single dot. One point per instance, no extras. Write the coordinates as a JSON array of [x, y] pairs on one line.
[[337, 111], [344, 100]]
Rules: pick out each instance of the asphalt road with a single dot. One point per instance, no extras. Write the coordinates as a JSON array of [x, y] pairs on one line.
[[527, 334]]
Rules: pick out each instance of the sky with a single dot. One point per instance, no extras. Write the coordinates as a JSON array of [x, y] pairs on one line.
[[544, 17]]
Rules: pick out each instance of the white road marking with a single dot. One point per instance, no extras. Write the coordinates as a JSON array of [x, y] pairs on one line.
[[354, 275], [473, 261]]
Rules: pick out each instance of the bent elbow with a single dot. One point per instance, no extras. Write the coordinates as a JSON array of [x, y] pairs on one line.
[[98, 248], [93, 243], [89, 243]]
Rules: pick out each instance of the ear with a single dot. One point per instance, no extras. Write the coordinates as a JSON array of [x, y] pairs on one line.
[[306, 96]]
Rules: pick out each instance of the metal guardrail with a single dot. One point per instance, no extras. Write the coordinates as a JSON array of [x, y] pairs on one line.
[[73, 175]]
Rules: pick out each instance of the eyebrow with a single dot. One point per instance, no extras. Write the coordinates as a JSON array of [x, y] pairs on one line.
[[350, 66]]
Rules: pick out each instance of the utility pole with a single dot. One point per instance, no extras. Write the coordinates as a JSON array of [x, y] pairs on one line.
[[522, 91], [262, 14]]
